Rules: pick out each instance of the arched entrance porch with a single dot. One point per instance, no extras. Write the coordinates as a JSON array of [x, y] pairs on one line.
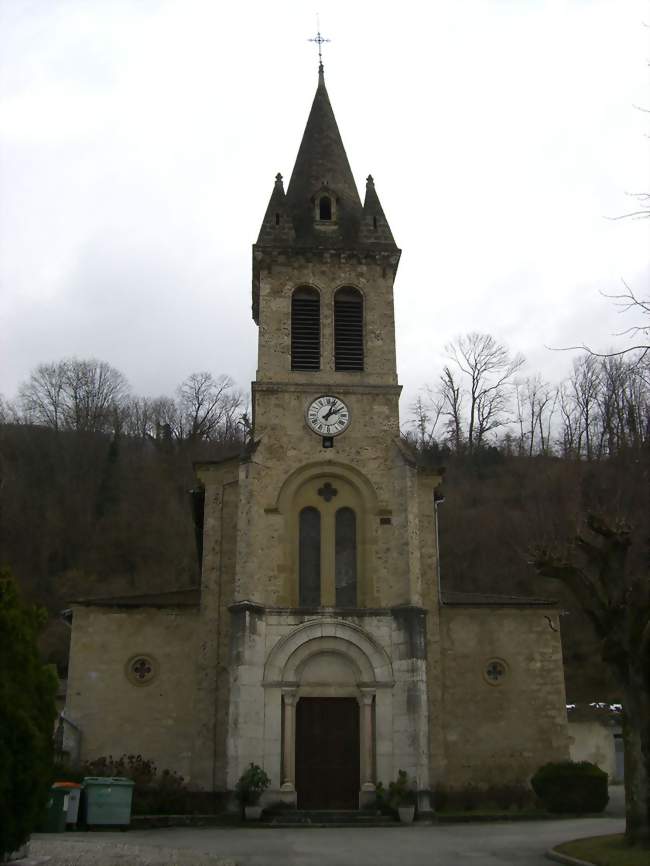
[[333, 684]]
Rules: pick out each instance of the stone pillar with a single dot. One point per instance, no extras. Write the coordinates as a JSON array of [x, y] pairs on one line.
[[289, 740], [366, 740]]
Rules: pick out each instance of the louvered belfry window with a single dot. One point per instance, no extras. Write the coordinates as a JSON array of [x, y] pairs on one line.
[[348, 329], [305, 329]]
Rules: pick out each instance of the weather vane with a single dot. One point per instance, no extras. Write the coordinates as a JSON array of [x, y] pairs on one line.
[[319, 40]]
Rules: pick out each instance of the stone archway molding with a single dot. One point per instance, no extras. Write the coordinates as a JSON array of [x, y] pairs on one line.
[[328, 635], [333, 470]]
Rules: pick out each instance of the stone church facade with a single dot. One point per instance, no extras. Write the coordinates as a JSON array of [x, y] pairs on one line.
[[320, 644]]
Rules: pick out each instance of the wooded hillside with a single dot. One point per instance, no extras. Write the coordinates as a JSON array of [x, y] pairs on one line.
[[94, 485]]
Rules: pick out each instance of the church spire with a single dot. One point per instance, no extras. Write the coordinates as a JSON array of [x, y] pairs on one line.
[[322, 208], [322, 165]]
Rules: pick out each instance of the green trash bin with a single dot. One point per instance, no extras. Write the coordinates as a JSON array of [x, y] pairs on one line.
[[56, 811], [108, 800]]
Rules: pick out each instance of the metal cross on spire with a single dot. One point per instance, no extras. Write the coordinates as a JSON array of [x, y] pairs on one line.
[[319, 40]]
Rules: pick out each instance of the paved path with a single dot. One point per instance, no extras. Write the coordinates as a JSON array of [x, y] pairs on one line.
[[496, 844]]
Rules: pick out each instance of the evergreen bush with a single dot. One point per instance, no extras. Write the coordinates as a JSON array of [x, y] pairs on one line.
[[569, 786], [251, 785], [400, 793], [27, 713]]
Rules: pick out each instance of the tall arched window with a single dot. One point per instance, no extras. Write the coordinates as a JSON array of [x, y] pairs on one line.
[[348, 329], [346, 558], [309, 557], [305, 329]]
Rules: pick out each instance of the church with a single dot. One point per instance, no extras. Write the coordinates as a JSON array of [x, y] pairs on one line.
[[320, 643]]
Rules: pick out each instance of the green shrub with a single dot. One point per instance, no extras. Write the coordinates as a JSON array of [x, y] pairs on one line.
[[571, 787], [27, 714], [154, 794], [400, 793], [251, 785]]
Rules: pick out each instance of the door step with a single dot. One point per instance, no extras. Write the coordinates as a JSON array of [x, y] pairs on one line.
[[328, 817]]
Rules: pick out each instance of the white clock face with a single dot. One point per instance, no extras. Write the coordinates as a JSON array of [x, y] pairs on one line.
[[328, 416]]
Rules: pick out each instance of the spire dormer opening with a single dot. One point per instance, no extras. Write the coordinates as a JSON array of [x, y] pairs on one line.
[[325, 208]]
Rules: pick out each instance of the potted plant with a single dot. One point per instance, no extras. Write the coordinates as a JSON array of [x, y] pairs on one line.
[[250, 787], [401, 797]]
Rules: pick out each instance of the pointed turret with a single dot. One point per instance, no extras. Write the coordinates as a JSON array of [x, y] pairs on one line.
[[277, 227], [374, 225], [322, 172], [321, 211]]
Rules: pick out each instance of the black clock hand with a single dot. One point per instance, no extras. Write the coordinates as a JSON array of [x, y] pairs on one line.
[[331, 412]]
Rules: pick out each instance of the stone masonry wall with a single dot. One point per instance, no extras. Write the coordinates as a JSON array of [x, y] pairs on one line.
[[501, 732], [209, 761], [115, 715], [327, 272]]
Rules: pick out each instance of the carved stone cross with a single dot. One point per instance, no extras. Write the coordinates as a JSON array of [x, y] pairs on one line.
[[327, 491]]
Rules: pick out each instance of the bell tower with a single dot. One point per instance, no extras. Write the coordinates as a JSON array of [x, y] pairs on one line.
[[319, 541], [323, 272]]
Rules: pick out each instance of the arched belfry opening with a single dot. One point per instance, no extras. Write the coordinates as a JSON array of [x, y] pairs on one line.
[[348, 329], [305, 329]]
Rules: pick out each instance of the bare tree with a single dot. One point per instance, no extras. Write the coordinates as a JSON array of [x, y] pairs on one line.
[[585, 387], [488, 371], [451, 403], [208, 407], [139, 418], [74, 394], [604, 407], [626, 301], [535, 402], [94, 393], [426, 415], [9, 413], [42, 397]]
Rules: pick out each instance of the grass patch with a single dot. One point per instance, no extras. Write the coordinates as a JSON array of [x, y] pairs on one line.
[[606, 851]]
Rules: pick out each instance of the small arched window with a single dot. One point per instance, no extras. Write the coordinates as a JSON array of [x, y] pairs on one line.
[[305, 329], [309, 557], [325, 208], [348, 329], [346, 558]]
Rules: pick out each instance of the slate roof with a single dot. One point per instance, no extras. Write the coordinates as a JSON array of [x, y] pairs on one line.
[[188, 597], [321, 166], [477, 599]]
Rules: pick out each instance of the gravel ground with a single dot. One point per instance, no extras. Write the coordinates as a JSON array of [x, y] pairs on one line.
[[49, 851]]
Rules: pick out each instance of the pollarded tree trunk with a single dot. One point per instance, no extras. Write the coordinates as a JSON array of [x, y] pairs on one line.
[[593, 566], [636, 735]]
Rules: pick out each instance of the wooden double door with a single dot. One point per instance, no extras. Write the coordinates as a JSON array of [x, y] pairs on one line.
[[327, 753]]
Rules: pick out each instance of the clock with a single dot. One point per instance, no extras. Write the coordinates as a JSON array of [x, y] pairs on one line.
[[327, 416]]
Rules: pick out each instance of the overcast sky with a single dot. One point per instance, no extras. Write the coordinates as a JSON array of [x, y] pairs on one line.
[[139, 140]]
